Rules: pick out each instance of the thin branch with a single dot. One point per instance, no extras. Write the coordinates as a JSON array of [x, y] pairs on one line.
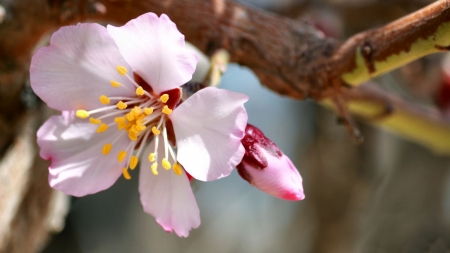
[[427, 126]]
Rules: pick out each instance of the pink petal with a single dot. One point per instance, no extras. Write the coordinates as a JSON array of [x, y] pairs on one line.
[[168, 197], [77, 67], [209, 127], [280, 178], [156, 51], [78, 166]]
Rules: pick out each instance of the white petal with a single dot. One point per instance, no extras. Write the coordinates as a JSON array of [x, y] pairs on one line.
[[156, 51], [168, 196], [209, 127], [77, 67], [78, 166]]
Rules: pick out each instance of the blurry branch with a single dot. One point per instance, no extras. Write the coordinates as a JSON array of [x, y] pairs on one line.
[[29, 208], [426, 126], [219, 62]]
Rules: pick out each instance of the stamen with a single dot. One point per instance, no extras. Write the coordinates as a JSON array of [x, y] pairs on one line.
[[148, 111], [151, 157], [102, 128], [114, 113], [104, 99], [140, 91], [102, 109], [107, 148], [153, 116], [121, 156], [132, 136], [154, 169], [125, 173], [172, 153], [136, 112], [121, 126], [177, 169], [115, 84], [122, 70], [129, 116], [121, 105], [166, 165], [119, 120], [133, 162], [155, 131], [166, 110], [82, 114], [164, 98], [95, 121]]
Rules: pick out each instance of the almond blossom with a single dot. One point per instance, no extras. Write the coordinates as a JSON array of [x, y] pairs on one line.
[[119, 92]]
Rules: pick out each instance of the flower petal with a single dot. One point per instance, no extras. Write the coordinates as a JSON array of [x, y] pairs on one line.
[[156, 51], [280, 178], [78, 166], [209, 127], [168, 197], [77, 67]]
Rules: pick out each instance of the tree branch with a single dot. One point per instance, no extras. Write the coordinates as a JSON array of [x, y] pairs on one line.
[[381, 50]]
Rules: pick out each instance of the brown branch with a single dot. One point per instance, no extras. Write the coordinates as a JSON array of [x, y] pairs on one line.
[[376, 46]]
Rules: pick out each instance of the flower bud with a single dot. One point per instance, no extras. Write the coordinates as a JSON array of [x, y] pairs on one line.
[[267, 168]]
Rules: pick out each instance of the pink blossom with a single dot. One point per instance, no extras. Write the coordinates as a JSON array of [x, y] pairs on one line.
[[267, 168], [119, 91]]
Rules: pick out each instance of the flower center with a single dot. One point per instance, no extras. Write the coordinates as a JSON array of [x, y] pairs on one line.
[[145, 119]]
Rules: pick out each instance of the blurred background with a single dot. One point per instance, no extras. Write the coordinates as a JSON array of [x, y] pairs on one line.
[[384, 195]]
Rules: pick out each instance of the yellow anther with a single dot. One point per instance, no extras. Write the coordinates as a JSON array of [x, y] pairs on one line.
[[155, 131], [164, 98], [140, 91], [166, 165], [141, 127], [119, 120], [107, 148], [102, 128], [148, 111], [125, 173], [132, 136], [134, 130], [82, 114], [151, 157], [115, 84], [136, 111], [122, 70], [122, 154], [128, 126], [133, 162], [104, 99], [129, 116], [95, 121], [140, 118], [121, 105], [121, 125], [166, 110], [177, 169], [154, 169]]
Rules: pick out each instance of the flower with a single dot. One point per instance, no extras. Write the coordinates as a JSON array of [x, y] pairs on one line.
[[119, 91], [267, 168]]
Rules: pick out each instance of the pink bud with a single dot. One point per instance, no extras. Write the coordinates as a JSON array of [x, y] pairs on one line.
[[267, 168]]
